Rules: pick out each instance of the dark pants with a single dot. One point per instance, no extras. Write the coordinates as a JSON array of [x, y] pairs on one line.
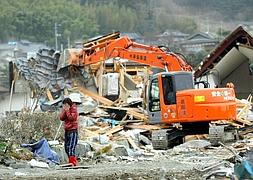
[[70, 142]]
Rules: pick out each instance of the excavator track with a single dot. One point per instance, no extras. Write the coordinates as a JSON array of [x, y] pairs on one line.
[[167, 138]]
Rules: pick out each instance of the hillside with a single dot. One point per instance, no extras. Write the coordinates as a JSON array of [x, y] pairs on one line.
[[81, 19]]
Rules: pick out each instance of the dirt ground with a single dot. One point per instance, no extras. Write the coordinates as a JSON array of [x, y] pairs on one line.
[[162, 169]]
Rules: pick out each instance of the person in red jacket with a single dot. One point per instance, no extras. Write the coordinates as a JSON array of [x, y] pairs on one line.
[[69, 115]]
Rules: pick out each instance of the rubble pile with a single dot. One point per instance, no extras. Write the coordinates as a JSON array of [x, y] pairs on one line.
[[108, 141]]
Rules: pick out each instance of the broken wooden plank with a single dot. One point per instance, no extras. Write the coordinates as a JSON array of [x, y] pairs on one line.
[[224, 122], [114, 130], [49, 95], [69, 166], [246, 130], [244, 111], [100, 79], [194, 137], [120, 108], [144, 127], [100, 99], [131, 112], [93, 128], [89, 133], [122, 90], [66, 165], [235, 124], [132, 143], [244, 122], [103, 130], [137, 115]]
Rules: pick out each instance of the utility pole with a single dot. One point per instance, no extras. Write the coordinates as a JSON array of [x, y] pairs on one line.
[[56, 35], [68, 42], [207, 19]]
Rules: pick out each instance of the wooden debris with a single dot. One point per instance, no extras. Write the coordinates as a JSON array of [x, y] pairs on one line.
[[65, 165], [103, 130], [244, 122], [114, 130], [131, 112], [89, 133], [69, 166], [132, 143], [194, 137], [93, 128], [137, 115], [144, 127], [246, 130], [226, 122], [120, 108], [49, 95], [101, 99], [235, 124], [243, 114], [245, 109]]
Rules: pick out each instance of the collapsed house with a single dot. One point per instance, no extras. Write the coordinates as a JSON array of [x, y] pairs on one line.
[[230, 61]]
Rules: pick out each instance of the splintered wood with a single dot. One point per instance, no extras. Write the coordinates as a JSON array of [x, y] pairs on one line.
[[137, 115], [131, 112], [243, 114], [96, 97]]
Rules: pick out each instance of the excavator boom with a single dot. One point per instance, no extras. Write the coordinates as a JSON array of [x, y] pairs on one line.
[[112, 46]]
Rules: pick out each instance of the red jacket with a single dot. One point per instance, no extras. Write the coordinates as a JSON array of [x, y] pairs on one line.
[[70, 118]]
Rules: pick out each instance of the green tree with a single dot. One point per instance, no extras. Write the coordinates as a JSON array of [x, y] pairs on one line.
[[34, 20], [112, 17]]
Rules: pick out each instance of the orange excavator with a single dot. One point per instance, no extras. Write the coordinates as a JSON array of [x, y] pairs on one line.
[[171, 95]]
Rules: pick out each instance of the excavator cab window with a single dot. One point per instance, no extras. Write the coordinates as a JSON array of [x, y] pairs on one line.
[[169, 94], [183, 81], [154, 100], [171, 83]]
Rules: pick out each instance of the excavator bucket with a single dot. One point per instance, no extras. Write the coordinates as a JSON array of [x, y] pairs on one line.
[[69, 57], [74, 56]]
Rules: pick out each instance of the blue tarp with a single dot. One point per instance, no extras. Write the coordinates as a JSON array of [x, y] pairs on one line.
[[42, 149]]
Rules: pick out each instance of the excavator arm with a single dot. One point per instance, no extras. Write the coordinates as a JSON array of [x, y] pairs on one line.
[[125, 48]]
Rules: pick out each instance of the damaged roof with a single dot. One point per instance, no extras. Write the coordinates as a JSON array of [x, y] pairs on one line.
[[199, 38], [41, 70], [231, 43]]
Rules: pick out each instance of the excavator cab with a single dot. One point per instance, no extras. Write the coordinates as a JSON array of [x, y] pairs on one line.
[[172, 98], [162, 92]]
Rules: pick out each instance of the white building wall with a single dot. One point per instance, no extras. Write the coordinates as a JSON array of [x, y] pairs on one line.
[[242, 80]]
